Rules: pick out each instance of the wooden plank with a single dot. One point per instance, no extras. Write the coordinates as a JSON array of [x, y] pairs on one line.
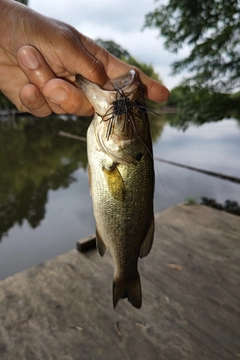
[[86, 243], [62, 309]]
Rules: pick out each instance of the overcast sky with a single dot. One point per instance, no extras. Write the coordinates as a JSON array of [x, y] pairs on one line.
[[120, 21]]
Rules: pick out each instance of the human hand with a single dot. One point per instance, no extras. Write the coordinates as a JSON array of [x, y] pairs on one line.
[[40, 77]]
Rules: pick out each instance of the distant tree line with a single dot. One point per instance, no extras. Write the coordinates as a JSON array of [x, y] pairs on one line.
[[199, 105]]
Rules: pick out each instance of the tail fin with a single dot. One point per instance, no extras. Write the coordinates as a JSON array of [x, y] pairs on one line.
[[130, 290]]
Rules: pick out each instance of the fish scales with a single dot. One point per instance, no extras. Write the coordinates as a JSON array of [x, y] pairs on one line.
[[121, 177], [125, 221]]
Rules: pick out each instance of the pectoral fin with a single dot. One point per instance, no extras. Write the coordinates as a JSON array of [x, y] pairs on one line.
[[115, 182], [102, 248], [147, 242]]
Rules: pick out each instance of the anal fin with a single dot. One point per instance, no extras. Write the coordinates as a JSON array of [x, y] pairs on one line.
[[148, 241], [102, 248]]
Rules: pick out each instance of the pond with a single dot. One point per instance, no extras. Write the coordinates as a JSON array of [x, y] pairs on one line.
[[45, 206]]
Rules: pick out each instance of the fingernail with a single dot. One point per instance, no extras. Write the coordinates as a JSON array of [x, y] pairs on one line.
[[29, 59], [57, 95]]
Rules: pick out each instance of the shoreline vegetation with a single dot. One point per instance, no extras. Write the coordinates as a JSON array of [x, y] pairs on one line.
[[229, 206]]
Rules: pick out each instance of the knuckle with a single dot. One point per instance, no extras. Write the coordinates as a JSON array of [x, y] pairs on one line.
[[96, 72]]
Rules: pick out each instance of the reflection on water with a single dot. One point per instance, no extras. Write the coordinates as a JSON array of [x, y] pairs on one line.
[[45, 206], [34, 160]]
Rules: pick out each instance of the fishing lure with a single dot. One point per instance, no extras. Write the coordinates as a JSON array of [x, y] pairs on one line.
[[127, 108]]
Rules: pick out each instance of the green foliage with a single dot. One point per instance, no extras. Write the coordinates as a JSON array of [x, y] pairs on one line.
[[200, 105], [212, 30], [177, 96], [192, 201]]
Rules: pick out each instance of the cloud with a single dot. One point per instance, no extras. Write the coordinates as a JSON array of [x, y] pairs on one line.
[[121, 15]]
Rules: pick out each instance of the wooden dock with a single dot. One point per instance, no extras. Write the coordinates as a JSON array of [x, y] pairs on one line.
[[62, 309]]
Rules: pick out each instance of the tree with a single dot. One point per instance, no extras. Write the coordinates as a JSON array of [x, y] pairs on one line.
[[198, 105], [177, 96], [211, 29]]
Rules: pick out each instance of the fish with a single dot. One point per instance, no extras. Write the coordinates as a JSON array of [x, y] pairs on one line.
[[121, 178]]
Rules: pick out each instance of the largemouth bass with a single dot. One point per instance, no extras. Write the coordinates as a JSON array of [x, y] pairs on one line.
[[121, 177]]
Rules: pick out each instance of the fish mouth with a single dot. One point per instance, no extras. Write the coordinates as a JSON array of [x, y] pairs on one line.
[[115, 95], [123, 80], [120, 120]]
